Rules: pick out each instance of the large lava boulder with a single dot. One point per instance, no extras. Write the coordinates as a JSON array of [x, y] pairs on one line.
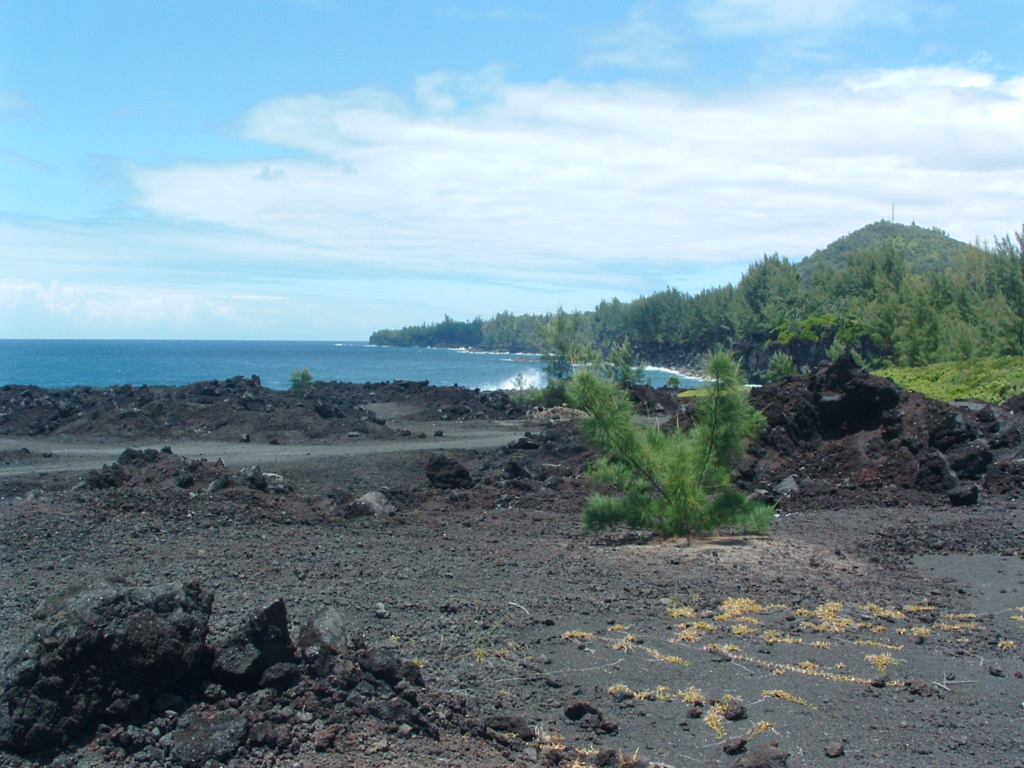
[[259, 644], [935, 475], [208, 736], [849, 400], [325, 636], [105, 654], [838, 400], [446, 472]]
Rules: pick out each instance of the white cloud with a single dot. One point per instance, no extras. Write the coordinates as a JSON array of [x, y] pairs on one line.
[[444, 90], [15, 105], [389, 211], [69, 309], [125, 306], [270, 174], [560, 177], [640, 43], [26, 162], [756, 17]]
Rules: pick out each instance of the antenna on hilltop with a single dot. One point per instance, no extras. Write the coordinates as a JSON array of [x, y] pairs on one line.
[[893, 219]]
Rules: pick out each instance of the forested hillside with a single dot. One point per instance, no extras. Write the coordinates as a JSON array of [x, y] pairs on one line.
[[923, 249], [891, 293]]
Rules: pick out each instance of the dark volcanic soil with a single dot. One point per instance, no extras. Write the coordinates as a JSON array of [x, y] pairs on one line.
[[880, 623]]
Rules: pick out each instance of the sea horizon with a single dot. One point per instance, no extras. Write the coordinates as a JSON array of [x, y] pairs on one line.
[[61, 363]]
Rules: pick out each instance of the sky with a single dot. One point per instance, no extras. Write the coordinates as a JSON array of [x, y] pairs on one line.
[[320, 169]]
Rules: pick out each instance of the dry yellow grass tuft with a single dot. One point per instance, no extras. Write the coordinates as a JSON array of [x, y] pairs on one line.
[[876, 644], [829, 618], [957, 622], [920, 608], [778, 693], [661, 693], [691, 633], [549, 740], [667, 658], [882, 661], [878, 611], [715, 719], [734, 607], [804, 668], [692, 696], [956, 626], [773, 636], [682, 612], [688, 635], [716, 722], [758, 728]]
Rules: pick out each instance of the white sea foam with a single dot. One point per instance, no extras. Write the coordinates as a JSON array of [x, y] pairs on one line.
[[659, 376], [534, 379]]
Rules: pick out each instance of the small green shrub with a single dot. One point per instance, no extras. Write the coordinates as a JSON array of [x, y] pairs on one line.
[[302, 381], [622, 366], [780, 365], [675, 482], [554, 393]]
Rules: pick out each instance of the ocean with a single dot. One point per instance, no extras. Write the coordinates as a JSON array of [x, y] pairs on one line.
[[102, 363]]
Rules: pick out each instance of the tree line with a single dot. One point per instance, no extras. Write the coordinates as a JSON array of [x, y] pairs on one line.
[[891, 293]]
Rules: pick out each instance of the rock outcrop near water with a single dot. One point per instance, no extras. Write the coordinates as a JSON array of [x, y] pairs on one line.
[[236, 409]]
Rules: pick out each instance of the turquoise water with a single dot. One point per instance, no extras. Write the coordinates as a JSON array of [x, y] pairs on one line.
[[101, 363]]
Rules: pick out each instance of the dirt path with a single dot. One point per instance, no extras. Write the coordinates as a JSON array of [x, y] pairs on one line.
[[47, 455]]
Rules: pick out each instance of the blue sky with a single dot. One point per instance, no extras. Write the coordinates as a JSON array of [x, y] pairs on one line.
[[318, 169]]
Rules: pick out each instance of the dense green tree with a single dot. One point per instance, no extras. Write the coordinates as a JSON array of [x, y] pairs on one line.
[[767, 296], [917, 335], [511, 333], [611, 322], [562, 347]]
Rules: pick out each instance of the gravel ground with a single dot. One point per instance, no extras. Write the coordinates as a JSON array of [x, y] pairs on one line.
[[876, 624]]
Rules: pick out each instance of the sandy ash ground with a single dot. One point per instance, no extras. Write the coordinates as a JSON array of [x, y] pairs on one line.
[[459, 616]]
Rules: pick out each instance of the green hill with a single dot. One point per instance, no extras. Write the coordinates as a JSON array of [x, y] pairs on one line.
[[922, 249]]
